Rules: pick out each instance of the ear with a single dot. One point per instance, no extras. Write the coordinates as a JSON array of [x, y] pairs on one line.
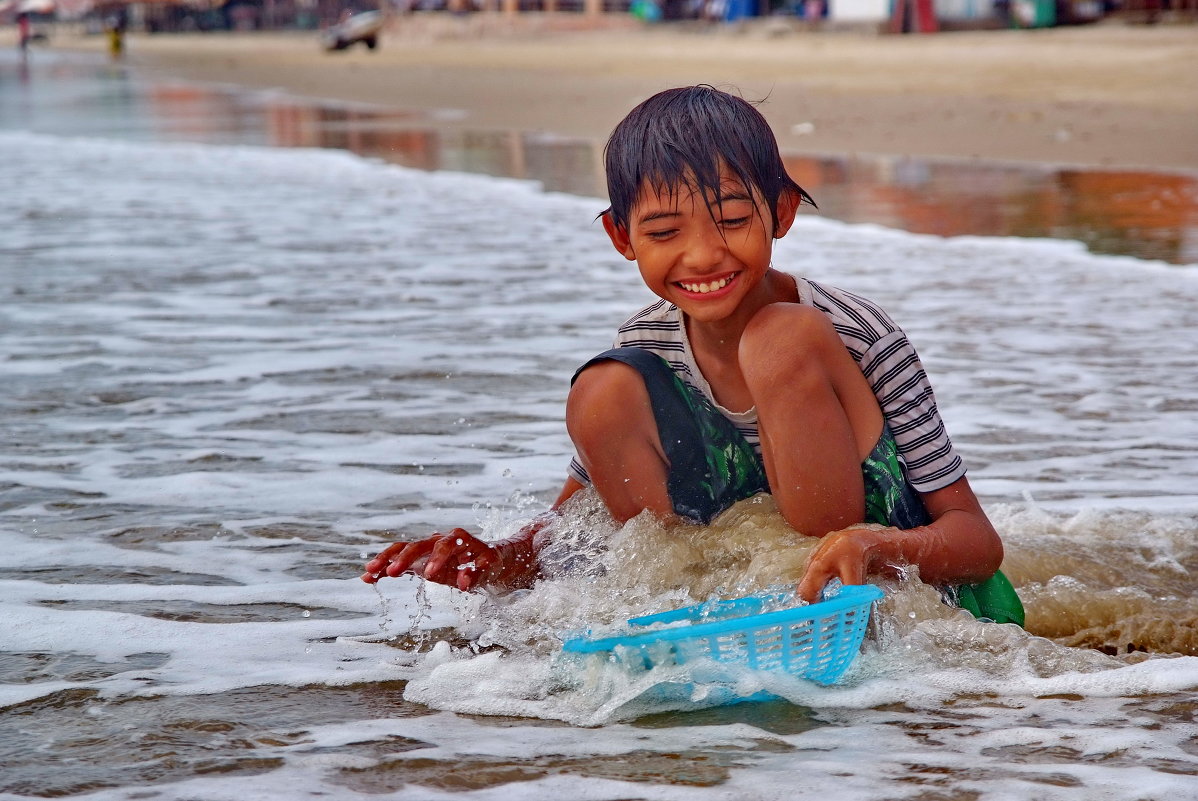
[[788, 207], [619, 237]]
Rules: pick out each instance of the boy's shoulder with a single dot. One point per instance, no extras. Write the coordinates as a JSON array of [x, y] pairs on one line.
[[656, 328], [853, 315], [658, 320]]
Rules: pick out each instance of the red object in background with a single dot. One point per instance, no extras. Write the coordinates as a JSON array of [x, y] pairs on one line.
[[913, 16], [23, 30]]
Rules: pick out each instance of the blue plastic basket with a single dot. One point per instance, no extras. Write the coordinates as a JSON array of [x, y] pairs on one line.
[[817, 641]]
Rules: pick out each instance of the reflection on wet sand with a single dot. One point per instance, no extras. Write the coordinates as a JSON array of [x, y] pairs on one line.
[[1144, 214], [560, 164]]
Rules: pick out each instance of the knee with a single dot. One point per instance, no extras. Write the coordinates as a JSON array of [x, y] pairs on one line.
[[604, 401], [786, 340]]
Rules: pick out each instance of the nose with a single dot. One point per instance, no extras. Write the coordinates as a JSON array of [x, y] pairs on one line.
[[704, 249]]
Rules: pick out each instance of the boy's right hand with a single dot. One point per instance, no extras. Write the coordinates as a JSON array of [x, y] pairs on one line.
[[458, 559]]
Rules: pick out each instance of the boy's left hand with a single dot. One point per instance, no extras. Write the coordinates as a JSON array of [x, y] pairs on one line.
[[849, 554]]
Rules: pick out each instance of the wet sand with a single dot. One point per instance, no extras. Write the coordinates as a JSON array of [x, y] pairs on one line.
[[1113, 95]]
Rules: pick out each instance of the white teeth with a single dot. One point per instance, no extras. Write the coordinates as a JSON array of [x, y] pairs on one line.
[[706, 287]]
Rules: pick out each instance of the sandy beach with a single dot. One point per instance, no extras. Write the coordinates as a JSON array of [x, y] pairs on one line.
[[1111, 95]]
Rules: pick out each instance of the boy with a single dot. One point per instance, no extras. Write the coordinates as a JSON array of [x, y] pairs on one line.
[[742, 379]]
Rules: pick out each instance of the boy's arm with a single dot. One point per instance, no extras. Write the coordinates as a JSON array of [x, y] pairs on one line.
[[459, 559], [959, 546]]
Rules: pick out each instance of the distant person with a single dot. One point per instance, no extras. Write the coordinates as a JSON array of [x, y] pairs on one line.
[[24, 32], [115, 26], [742, 379]]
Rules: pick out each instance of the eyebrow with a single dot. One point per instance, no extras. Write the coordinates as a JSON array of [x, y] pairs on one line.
[[657, 215], [661, 215]]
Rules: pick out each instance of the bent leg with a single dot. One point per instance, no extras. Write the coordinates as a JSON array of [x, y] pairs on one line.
[[817, 416], [610, 421], [638, 428]]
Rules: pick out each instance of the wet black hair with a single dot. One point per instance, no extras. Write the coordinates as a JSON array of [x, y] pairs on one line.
[[680, 137]]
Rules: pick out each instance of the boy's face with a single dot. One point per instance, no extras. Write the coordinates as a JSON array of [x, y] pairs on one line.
[[705, 261]]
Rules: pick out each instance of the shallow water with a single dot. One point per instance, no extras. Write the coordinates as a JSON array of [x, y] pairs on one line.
[[230, 373]]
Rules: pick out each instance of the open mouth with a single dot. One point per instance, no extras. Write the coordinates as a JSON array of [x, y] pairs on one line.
[[709, 286]]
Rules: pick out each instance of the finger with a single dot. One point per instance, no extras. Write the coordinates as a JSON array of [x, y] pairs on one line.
[[384, 556], [827, 564], [852, 571], [484, 561], [467, 578], [450, 545], [487, 565], [811, 583], [814, 581], [819, 570], [403, 561]]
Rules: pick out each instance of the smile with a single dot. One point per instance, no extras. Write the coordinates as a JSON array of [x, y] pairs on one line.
[[707, 286]]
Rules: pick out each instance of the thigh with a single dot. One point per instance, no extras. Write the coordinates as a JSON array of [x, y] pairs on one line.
[[709, 465], [611, 423]]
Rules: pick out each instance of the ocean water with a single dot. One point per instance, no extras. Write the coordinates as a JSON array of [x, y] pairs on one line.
[[232, 373]]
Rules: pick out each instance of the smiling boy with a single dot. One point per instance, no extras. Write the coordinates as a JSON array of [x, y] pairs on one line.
[[743, 379]]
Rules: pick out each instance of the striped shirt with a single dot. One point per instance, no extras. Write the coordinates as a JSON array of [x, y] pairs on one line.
[[878, 345]]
